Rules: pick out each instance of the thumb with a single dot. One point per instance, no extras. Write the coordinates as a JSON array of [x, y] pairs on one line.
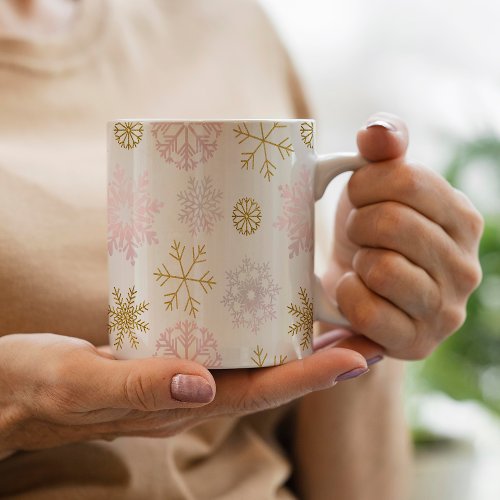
[[146, 384], [384, 137]]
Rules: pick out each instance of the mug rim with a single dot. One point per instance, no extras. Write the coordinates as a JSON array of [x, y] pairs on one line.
[[212, 120]]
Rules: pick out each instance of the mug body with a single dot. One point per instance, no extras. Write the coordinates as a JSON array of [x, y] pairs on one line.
[[211, 240]]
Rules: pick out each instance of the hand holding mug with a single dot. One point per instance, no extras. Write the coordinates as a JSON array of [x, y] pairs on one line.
[[77, 392], [405, 257]]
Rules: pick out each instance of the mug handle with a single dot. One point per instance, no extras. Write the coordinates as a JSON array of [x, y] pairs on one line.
[[327, 168]]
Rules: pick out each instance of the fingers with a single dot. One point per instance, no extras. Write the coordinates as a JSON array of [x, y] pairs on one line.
[[423, 190], [392, 276], [397, 227], [143, 384], [384, 141], [260, 389], [370, 350], [347, 339], [384, 137], [412, 241], [245, 391], [374, 316], [330, 337]]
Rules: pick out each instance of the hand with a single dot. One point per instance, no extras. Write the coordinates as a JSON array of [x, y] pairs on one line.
[[56, 390], [405, 255]]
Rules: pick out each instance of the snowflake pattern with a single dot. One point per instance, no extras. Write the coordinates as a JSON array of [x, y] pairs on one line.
[[279, 361], [187, 340], [186, 145], [250, 295], [298, 214], [307, 133], [303, 314], [260, 356], [128, 134], [131, 214], [124, 318], [200, 205], [183, 280], [263, 141], [246, 216]]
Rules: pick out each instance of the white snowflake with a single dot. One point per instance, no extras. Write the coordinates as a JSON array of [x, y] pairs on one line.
[[251, 294], [185, 144], [187, 340], [200, 205], [298, 214]]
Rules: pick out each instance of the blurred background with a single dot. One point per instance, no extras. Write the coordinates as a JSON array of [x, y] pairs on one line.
[[436, 65]]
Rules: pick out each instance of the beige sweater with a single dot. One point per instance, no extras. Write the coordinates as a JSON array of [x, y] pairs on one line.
[[151, 59]]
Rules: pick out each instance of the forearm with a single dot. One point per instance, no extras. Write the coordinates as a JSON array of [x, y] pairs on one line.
[[351, 441]]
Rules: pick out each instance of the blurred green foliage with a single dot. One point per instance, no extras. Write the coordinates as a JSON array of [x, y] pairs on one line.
[[467, 365]]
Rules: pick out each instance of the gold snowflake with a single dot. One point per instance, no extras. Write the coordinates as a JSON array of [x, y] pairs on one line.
[[260, 356], [279, 361], [246, 216], [264, 144], [307, 133], [124, 319], [128, 134], [304, 315], [184, 279]]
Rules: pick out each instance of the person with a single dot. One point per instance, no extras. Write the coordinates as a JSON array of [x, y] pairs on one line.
[[74, 422]]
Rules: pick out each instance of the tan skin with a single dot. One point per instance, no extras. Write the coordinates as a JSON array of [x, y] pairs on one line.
[[402, 268], [407, 302]]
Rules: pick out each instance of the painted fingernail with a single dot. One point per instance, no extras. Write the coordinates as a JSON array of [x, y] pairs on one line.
[[329, 338], [191, 389], [381, 123], [375, 359], [351, 374]]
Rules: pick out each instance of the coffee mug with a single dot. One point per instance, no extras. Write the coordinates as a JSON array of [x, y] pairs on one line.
[[211, 239]]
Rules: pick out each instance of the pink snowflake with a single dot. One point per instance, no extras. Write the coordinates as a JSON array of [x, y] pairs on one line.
[[250, 295], [130, 214], [187, 340], [186, 145], [298, 216], [200, 205]]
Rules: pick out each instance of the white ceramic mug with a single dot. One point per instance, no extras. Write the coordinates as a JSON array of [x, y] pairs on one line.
[[211, 239]]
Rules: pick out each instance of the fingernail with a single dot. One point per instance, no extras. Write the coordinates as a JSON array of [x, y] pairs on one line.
[[381, 123], [356, 372], [328, 338], [191, 389], [375, 359]]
